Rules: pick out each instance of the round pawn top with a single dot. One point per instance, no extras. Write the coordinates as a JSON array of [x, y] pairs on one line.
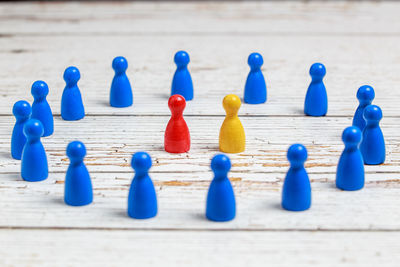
[[181, 58], [39, 89], [72, 75], [255, 60], [372, 113], [22, 109], [141, 162], [297, 154], [351, 135], [317, 71], [365, 93], [33, 128], [220, 164], [120, 64], [76, 150], [176, 103], [231, 103]]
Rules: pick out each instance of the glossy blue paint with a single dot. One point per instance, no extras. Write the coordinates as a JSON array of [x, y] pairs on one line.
[[350, 169], [221, 205], [316, 102], [296, 193], [78, 189], [142, 199]]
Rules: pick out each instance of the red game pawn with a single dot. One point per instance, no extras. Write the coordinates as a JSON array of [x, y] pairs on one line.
[[177, 137]]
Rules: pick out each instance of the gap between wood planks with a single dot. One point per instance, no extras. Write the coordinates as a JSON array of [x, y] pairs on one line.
[[222, 33], [192, 229], [206, 115]]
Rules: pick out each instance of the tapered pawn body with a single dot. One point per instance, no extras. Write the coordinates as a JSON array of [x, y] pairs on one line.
[[221, 205], [373, 143], [34, 166], [40, 108], [231, 136], [121, 91], [22, 112], [182, 81], [255, 91], [296, 193], [142, 200], [177, 136], [78, 189], [72, 108], [316, 103], [350, 169], [365, 95]]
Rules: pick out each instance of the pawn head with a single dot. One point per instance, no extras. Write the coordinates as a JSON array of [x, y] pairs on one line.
[[365, 94], [297, 154], [181, 58], [231, 104], [120, 64], [72, 75], [220, 164], [141, 162], [372, 113], [176, 103], [33, 128], [22, 109], [39, 89], [255, 60], [351, 135], [76, 150], [317, 71]]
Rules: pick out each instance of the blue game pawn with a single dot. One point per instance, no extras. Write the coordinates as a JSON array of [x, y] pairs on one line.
[[40, 108], [142, 199], [22, 111], [365, 95], [71, 102], [296, 193], [34, 166], [350, 170], [316, 103], [373, 144], [78, 186], [121, 91], [182, 81], [255, 91], [221, 205]]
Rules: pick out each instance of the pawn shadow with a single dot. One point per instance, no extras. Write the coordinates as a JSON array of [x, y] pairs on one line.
[[199, 216], [274, 205], [104, 103], [5, 155], [57, 200]]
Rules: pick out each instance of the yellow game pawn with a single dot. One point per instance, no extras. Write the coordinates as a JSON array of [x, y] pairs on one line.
[[231, 135]]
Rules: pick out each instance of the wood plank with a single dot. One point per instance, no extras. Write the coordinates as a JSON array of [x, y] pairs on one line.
[[171, 248], [181, 199], [288, 17], [218, 67], [111, 141]]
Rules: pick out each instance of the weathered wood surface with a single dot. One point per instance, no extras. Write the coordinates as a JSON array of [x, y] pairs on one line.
[[198, 248], [186, 19], [181, 198], [111, 140], [358, 43], [218, 67]]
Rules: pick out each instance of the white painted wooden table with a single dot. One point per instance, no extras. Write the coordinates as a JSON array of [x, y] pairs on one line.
[[358, 42]]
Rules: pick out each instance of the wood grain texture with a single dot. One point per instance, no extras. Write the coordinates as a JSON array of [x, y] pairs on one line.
[[181, 198], [111, 141], [218, 67], [288, 17], [357, 42], [171, 248]]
